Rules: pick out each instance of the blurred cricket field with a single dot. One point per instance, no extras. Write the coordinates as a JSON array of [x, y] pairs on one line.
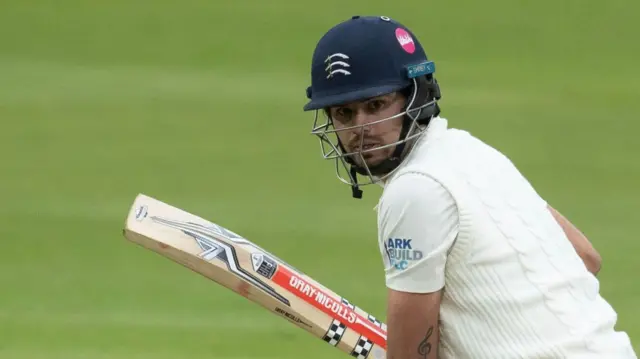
[[199, 104]]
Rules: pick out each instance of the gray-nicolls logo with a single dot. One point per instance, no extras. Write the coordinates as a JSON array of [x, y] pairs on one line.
[[337, 64]]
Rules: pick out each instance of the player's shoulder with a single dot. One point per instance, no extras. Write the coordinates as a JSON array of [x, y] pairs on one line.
[[413, 188]]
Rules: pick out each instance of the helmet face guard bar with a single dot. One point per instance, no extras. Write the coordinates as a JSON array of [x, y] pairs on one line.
[[332, 149]]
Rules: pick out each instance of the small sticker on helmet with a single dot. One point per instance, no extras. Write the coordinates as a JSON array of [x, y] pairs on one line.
[[405, 40], [421, 69]]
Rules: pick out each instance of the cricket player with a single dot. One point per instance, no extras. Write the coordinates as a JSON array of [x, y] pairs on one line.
[[477, 264]]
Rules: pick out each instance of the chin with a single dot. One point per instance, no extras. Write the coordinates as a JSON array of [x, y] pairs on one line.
[[372, 162]]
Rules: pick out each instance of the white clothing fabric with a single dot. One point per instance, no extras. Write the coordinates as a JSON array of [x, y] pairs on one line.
[[459, 216]]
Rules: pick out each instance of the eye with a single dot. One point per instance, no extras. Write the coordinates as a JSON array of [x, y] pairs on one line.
[[375, 105], [342, 114]]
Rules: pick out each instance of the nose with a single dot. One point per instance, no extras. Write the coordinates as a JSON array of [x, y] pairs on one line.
[[362, 118]]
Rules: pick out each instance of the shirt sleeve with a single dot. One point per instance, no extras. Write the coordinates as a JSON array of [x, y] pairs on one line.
[[417, 226]]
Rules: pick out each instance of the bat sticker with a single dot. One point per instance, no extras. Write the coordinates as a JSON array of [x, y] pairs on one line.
[[213, 248], [141, 213], [238, 239], [362, 348], [263, 265], [335, 332], [335, 308]]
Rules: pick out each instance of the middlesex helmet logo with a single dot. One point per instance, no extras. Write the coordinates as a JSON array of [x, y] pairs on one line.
[[337, 64], [405, 40]]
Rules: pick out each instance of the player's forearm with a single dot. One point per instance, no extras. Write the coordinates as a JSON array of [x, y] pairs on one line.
[[580, 242], [412, 329], [407, 344]]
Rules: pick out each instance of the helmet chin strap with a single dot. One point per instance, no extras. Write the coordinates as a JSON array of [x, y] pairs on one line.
[[355, 190]]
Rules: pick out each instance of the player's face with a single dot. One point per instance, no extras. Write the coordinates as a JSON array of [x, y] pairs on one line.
[[365, 136]]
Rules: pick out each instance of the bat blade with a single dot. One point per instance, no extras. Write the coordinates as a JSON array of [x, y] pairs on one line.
[[242, 266]]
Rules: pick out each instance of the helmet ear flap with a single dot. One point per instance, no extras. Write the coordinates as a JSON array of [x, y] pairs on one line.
[[436, 89], [426, 90]]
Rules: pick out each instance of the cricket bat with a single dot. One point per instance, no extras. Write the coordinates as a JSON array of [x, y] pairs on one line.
[[256, 274]]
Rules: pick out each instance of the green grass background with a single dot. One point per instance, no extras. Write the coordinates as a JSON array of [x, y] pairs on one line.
[[198, 103]]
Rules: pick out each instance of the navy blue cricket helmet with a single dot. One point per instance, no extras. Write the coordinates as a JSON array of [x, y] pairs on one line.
[[361, 58]]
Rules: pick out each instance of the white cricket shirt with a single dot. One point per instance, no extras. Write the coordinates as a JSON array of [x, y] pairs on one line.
[[418, 226], [459, 215]]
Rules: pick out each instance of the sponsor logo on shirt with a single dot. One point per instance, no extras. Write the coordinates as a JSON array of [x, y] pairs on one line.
[[401, 253]]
